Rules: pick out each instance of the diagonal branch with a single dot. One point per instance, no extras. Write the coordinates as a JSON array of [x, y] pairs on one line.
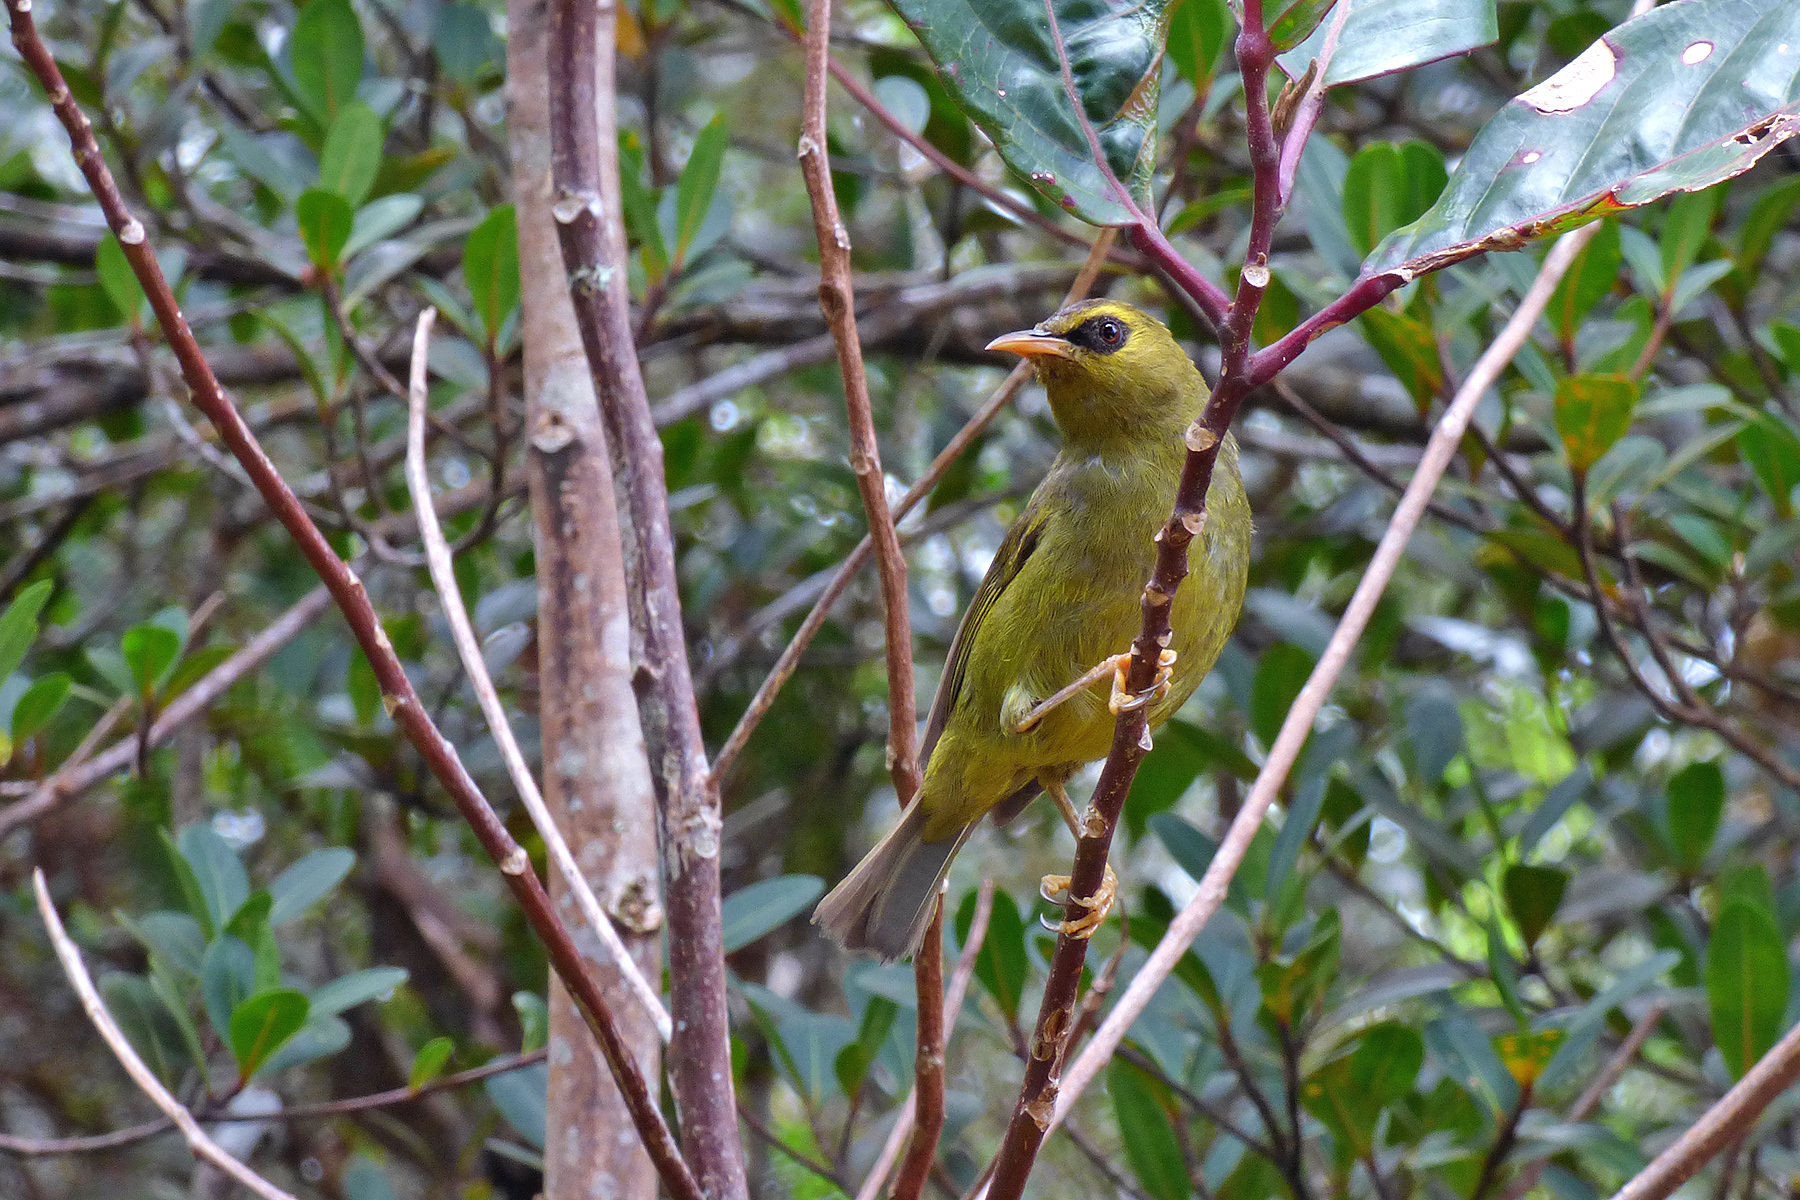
[[443, 577], [398, 695], [202, 1146]]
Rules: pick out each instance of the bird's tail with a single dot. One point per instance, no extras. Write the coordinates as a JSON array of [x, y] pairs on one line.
[[883, 906]]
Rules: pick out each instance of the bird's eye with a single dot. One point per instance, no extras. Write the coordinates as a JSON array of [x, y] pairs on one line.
[[1111, 332]]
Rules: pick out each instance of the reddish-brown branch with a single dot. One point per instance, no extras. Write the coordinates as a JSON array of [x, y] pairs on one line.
[[586, 206], [398, 697], [928, 1063], [837, 299]]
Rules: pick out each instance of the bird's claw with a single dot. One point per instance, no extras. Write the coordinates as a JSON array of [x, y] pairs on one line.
[[1124, 700], [1054, 888]]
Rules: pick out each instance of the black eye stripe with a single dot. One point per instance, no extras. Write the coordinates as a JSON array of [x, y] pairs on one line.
[[1102, 334]]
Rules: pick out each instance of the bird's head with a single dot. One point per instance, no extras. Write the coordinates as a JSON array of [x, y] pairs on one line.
[[1110, 370]]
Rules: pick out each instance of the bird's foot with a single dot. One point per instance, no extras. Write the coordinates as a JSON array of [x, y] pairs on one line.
[[1124, 700], [1043, 708], [1054, 888]]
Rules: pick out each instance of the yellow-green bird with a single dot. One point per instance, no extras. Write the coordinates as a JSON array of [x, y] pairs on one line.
[[1058, 605]]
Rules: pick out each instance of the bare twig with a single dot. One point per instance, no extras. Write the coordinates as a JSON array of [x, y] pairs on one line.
[[953, 1002], [399, 697], [468, 648], [584, 166], [202, 1145], [1294, 730]]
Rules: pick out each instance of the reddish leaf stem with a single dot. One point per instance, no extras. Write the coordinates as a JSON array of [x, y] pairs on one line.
[[398, 696]]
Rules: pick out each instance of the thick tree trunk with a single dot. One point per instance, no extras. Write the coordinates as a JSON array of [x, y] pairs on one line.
[[595, 774]]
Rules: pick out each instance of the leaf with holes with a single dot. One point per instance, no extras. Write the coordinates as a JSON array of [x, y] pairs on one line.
[[1676, 100], [1052, 82]]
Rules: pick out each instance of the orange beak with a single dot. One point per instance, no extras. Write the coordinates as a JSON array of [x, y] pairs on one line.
[[1029, 343]]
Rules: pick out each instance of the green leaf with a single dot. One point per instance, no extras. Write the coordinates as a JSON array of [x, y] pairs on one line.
[[1590, 278], [251, 921], [1381, 37], [306, 881], [1768, 444], [1746, 984], [1280, 674], [1387, 186], [39, 705], [1001, 966], [380, 219], [322, 1036], [751, 912], [1696, 804], [352, 153], [227, 979], [146, 1023], [358, 987], [1679, 99], [464, 42], [1198, 30], [262, 1024], [534, 1020], [521, 1097], [1002, 63], [429, 1062], [19, 625], [640, 209], [699, 180], [1768, 215], [325, 220], [175, 937], [1434, 730], [118, 280], [491, 268], [1533, 894], [150, 652], [217, 872], [1409, 348], [1593, 412], [1685, 230], [1151, 1148], [1289, 24], [326, 49]]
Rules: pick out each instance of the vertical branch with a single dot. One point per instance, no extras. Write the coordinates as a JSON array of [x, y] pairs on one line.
[[398, 695], [928, 1062], [838, 301], [597, 781], [587, 210]]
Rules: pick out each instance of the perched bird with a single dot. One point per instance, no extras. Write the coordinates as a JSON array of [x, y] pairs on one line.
[[1022, 705]]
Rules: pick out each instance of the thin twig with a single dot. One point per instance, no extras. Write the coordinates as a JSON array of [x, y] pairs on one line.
[[1294, 730], [399, 697], [202, 1145], [468, 648], [953, 1003]]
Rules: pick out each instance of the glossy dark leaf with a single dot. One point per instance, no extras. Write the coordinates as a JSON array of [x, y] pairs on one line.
[[1679, 99], [1380, 37], [1002, 60]]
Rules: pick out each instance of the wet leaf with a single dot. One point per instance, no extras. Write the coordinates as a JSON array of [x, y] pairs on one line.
[[1678, 99], [1007, 67]]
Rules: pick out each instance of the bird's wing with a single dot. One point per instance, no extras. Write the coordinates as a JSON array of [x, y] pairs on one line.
[[1015, 548]]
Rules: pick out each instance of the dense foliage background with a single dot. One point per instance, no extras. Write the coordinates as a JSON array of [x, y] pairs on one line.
[[1507, 843]]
